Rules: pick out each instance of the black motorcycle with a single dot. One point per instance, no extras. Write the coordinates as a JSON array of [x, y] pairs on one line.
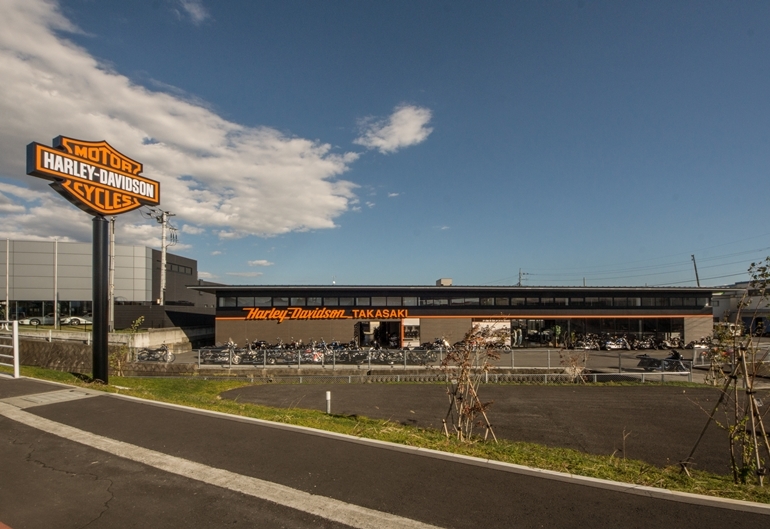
[[672, 363], [162, 354]]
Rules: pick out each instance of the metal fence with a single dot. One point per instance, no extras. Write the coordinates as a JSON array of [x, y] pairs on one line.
[[487, 378], [9, 345]]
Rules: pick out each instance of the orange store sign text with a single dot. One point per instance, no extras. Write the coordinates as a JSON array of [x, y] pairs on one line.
[[322, 313]]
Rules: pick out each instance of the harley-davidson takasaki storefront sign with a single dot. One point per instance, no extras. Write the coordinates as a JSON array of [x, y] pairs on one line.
[[93, 175]]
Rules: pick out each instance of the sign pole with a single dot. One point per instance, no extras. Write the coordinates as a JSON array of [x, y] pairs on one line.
[[100, 301]]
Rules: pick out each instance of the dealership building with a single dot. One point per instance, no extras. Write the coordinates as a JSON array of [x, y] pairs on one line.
[[410, 315]]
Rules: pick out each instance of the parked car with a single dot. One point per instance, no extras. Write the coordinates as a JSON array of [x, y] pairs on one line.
[[48, 319], [76, 320]]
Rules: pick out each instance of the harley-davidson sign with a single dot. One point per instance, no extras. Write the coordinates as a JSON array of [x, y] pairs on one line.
[[93, 175]]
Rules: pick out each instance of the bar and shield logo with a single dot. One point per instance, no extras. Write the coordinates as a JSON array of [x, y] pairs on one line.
[[92, 175]]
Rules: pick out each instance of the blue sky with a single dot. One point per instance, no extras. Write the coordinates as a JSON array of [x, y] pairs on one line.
[[398, 142]]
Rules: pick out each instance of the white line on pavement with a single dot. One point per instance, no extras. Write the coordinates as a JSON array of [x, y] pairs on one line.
[[321, 506]]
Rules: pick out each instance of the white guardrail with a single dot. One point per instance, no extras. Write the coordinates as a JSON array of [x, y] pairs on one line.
[[9, 345]]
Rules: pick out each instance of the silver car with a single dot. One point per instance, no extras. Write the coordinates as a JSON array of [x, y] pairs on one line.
[[76, 320], [48, 319]]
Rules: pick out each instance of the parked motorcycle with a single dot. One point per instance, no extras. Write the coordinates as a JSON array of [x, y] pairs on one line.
[[162, 354], [672, 363]]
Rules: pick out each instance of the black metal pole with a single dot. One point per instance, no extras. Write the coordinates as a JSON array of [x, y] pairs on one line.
[[101, 244]]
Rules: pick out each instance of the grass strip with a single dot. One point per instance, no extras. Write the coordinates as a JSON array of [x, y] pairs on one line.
[[205, 394]]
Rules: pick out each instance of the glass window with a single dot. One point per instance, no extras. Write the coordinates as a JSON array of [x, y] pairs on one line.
[[280, 302], [546, 301], [362, 302], [676, 302], [662, 302], [471, 301], [263, 301], [298, 302], [703, 302], [634, 302], [518, 301], [331, 302], [620, 302], [457, 301], [648, 302], [377, 301], [592, 302], [441, 302], [501, 301], [487, 301], [394, 301], [533, 301], [347, 302], [227, 301], [410, 301], [314, 302], [577, 302], [560, 301], [689, 302], [245, 301]]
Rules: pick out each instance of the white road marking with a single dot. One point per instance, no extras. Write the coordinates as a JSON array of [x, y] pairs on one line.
[[327, 508]]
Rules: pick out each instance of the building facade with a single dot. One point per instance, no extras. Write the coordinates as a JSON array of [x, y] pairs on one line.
[[411, 315], [37, 272]]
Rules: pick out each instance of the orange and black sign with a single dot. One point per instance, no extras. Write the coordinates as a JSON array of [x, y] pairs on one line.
[[322, 313], [93, 175]]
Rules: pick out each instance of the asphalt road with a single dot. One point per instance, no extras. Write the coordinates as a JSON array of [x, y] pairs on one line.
[[71, 460]]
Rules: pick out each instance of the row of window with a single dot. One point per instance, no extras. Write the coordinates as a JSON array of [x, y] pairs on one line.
[[414, 301], [179, 268]]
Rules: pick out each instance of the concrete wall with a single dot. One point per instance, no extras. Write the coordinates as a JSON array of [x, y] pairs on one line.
[[452, 329], [697, 328], [270, 331]]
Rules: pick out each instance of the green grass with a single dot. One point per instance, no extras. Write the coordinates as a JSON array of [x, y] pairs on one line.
[[204, 394]]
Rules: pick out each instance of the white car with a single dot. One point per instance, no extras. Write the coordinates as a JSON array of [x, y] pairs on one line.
[[76, 320], [48, 319]]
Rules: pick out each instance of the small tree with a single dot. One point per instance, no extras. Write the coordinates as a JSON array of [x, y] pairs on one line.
[[747, 436], [119, 358], [464, 367]]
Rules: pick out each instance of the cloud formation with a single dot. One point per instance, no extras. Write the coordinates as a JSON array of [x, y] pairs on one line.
[[195, 10], [210, 178], [260, 262], [405, 127]]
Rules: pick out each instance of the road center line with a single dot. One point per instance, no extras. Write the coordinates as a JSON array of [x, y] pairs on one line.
[[321, 506]]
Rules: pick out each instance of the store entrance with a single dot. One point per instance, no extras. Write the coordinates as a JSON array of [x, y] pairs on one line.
[[378, 333]]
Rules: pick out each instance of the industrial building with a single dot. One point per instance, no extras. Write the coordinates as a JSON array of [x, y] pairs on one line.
[[38, 272], [411, 315]]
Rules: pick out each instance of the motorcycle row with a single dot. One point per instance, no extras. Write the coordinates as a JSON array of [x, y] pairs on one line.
[[628, 342], [260, 352]]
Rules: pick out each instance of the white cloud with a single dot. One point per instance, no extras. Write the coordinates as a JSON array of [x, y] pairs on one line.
[[244, 274], [211, 170], [216, 252], [206, 275], [260, 262], [393, 195], [192, 230], [405, 127], [370, 204], [195, 10]]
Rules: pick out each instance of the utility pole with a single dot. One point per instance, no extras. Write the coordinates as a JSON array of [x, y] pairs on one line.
[[162, 218], [521, 275], [695, 265]]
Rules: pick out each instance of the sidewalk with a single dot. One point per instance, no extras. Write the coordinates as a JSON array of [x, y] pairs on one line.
[[74, 457]]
